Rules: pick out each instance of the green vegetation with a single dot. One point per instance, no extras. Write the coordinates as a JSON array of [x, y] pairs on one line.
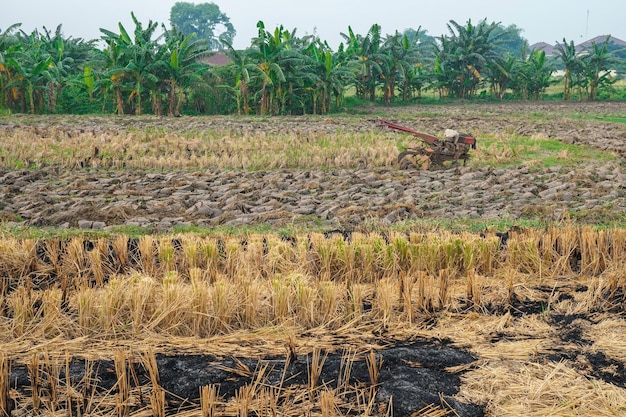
[[536, 152], [141, 71], [597, 219]]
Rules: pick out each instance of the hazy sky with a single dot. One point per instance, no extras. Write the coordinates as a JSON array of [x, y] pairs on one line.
[[541, 20]]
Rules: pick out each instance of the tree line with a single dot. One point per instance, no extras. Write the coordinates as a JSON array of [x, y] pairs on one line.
[[163, 71]]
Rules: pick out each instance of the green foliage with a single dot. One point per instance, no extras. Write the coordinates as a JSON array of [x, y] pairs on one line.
[[141, 70], [462, 57]]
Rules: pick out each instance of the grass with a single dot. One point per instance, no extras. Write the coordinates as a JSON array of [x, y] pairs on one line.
[[610, 118], [537, 152]]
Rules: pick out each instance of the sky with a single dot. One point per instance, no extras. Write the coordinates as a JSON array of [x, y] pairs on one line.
[[541, 20]]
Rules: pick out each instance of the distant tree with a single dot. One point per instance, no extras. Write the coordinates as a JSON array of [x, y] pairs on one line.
[[510, 39], [419, 35], [205, 20]]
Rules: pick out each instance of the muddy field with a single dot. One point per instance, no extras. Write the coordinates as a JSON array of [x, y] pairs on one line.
[[537, 333]]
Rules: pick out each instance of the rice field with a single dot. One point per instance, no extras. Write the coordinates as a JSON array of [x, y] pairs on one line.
[[127, 299], [410, 319]]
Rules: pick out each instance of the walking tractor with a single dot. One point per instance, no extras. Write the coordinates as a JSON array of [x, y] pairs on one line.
[[454, 146]]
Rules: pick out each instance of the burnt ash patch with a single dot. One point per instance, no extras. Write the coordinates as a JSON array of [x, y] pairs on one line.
[[570, 329], [594, 364], [413, 375], [609, 370]]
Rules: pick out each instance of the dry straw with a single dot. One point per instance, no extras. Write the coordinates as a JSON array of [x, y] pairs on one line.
[[6, 403], [184, 289]]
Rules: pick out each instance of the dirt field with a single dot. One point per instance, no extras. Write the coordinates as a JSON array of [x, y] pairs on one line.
[[154, 192], [360, 320]]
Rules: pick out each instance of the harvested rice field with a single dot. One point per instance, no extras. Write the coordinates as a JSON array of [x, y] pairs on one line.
[[230, 266]]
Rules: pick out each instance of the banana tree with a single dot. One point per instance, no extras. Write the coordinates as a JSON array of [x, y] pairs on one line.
[[266, 52], [326, 76], [500, 74], [66, 55], [598, 62], [182, 67], [366, 60], [113, 60], [30, 74], [402, 55], [572, 63], [532, 75], [463, 55], [8, 43], [143, 63], [243, 66], [30, 64]]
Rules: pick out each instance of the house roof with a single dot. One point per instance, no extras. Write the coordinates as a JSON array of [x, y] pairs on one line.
[[543, 46], [217, 59], [549, 49], [600, 39]]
